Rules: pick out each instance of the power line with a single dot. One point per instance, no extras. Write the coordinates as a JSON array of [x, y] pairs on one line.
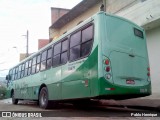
[[4, 69]]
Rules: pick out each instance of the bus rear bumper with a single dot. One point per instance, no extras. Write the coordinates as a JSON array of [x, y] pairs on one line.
[[112, 91]]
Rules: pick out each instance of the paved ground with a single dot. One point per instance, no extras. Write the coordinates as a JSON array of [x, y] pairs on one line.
[[85, 114]]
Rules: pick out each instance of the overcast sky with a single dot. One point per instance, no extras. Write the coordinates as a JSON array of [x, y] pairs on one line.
[[18, 16]]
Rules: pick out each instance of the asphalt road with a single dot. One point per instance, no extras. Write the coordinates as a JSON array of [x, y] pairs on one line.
[[70, 112]]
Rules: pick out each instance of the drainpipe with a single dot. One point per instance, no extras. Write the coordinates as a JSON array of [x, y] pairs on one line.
[[104, 3], [103, 6]]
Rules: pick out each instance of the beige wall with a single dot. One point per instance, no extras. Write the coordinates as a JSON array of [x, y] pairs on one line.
[[113, 6], [82, 17], [54, 33]]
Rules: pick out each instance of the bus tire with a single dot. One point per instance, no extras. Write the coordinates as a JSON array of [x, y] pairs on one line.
[[14, 101], [44, 103]]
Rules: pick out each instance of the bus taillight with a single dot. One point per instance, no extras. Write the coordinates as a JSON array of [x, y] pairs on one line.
[[107, 62], [108, 75], [108, 69], [148, 74]]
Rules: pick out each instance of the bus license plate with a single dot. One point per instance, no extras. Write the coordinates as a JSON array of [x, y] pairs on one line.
[[130, 82]]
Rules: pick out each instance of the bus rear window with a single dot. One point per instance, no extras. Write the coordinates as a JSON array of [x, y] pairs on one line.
[[138, 33]]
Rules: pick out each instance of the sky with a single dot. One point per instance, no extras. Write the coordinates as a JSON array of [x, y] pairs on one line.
[[18, 16]]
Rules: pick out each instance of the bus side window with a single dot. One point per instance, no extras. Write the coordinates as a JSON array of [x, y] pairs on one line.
[[56, 54], [13, 74], [87, 38], [38, 63], [26, 69], [33, 65], [10, 74], [43, 60], [16, 73], [22, 72], [64, 52], [29, 67], [75, 46], [49, 58], [19, 71]]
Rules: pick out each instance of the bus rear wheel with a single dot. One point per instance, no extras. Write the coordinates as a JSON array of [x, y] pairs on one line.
[[43, 98], [14, 101]]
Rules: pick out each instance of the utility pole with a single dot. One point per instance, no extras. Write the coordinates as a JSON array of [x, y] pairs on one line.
[[27, 38], [27, 54]]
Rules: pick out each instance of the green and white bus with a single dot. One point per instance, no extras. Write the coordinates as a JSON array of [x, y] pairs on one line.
[[104, 57]]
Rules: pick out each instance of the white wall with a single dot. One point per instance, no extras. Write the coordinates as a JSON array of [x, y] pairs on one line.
[[142, 13], [147, 15], [153, 44]]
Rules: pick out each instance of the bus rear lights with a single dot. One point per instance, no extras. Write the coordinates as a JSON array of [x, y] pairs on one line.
[[106, 62], [108, 76], [149, 79], [86, 83], [109, 88], [148, 74], [108, 69]]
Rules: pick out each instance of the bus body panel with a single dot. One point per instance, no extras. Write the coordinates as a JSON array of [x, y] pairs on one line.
[[80, 77], [114, 39], [128, 58]]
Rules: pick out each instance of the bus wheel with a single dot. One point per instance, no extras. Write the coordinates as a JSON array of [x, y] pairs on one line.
[[14, 101], [43, 98]]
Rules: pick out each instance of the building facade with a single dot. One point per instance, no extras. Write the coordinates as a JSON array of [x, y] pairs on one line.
[[145, 13]]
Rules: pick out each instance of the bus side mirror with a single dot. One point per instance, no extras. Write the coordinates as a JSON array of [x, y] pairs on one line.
[[8, 77]]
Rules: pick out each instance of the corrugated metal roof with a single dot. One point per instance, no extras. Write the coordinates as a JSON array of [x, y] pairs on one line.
[[74, 12]]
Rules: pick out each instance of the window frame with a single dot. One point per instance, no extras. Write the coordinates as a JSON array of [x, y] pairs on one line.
[[38, 63], [26, 68], [22, 70], [61, 52], [29, 67], [43, 61], [28, 63], [49, 57], [33, 64], [81, 29], [141, 35]]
